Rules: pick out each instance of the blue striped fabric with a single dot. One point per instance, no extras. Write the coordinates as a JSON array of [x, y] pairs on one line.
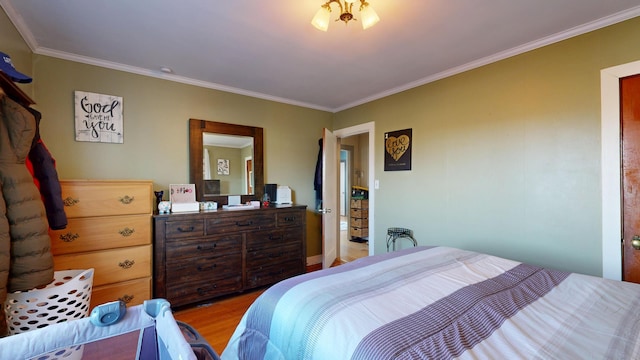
[[260, 314], [451, 325]]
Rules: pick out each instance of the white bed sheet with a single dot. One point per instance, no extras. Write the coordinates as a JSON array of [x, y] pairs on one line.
[[378, 307]]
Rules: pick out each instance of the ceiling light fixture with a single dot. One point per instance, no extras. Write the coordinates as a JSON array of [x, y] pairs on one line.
[[368, 15]]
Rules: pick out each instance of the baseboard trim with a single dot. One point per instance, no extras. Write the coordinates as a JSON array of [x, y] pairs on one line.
[[313, 260], [314, 263]]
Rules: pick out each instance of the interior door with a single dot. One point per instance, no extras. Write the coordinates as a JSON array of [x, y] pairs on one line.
[[343, 188], [330, 210], [630, 129], [248, 175]]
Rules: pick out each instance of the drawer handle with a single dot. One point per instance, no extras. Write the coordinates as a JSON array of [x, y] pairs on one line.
[[202, 291], [272, 237], [206, 268], [206, 248], [69, 201], [126, 232], [290, 218], [248, 223], [273, 256], [69, 237], [126, 200], [189, 229], [127, 264], [126, 298]]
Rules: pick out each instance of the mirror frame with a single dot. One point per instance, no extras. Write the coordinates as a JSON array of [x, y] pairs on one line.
[[196, 130]]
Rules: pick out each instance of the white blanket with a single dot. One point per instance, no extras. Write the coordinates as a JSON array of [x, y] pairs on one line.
[[441, 303]]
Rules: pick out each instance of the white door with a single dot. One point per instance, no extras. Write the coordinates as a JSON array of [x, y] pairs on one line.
[[330, 210], [343, 188]]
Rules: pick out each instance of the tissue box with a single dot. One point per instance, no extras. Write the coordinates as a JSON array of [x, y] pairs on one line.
[[283, 195], [184, 207]]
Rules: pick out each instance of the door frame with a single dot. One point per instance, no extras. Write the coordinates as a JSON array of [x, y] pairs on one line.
[[611, 167], [357, 130]]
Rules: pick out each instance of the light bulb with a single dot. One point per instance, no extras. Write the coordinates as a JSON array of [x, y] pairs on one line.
[[321, 20], [369, 17]]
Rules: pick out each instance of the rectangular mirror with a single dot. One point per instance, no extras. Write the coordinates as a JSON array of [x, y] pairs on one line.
[[225, 159], [227, 164]]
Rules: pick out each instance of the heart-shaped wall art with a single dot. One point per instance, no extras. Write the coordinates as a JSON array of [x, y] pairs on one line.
[[397, 146]]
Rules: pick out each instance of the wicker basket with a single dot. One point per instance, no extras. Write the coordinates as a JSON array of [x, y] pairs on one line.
[[66, 298]]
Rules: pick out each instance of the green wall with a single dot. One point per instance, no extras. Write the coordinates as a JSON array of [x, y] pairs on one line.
[[156, 114], [506, 157]]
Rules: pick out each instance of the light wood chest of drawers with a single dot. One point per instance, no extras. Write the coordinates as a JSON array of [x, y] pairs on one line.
[[109, 229]]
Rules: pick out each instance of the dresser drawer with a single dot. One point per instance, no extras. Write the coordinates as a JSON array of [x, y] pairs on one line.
[[359, 222], [359, 232], [85, 198], [360, 213], [360, 203], [132, 292], [193, 292], [270, 256], [99, 233], [261, 239], [184, 229], [265, 275], [291, 218], [179, 250], [205, 268], [111, 266], [235, 222]]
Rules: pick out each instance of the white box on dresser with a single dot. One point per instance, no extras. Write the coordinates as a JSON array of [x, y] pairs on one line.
[[109, 229]]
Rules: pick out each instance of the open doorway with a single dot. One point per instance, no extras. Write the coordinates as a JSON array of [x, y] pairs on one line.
[[356, 170], [353, 244], [330, 207]]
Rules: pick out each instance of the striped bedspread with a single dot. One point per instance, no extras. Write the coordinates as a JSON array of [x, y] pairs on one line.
[[441, 303]]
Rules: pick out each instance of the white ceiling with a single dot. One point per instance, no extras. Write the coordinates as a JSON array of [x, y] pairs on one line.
[[268, 49]]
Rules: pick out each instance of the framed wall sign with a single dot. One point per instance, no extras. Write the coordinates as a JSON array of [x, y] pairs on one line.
[[98, 118], [397, 150], [223, 166]]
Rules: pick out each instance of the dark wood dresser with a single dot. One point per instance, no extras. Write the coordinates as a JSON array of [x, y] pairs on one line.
[[200, 256]]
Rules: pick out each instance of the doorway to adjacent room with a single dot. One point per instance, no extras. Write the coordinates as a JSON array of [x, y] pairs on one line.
[[363, 162], [352, 247]]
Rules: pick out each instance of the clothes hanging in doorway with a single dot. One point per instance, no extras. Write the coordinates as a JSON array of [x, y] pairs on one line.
[[317, 181]]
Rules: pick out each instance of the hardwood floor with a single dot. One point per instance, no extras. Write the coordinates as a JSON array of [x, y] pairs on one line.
[[350, 250], [217, 320]]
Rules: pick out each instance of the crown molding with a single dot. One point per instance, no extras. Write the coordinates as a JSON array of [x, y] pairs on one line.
[[578, 30]]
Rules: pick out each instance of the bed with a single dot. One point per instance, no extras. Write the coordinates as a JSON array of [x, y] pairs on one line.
[[441, 303]]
